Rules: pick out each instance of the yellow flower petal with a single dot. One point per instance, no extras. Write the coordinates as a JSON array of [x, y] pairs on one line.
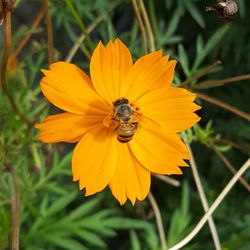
[[155, 154], [172, 108], [130, 180], [66, 127], [71, 90], [109, 68], [94, 160], [150, 72]]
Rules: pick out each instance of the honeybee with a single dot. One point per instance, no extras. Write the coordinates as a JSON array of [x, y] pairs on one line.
[[226, 9], [125, 120]]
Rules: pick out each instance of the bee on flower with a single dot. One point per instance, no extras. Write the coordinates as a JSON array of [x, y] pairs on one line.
[[125, 119]]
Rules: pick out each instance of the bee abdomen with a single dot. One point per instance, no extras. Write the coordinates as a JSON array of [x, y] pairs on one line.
[[124, 138]]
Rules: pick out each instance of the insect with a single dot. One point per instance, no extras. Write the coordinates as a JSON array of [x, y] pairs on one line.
[[226, 9], [125, 120]]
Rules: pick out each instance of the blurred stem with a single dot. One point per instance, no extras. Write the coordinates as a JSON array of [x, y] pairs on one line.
[[141, 25], [158, 221], [15, 210], [154, 23], [80, 24], [200, 74], [232, 144], [6, 54], [81, 38], [49, 31], [224, 105], [168, 180], [213, 207], [216, 83], [148, 26], [203, 198], [26, 38], [229, 165]]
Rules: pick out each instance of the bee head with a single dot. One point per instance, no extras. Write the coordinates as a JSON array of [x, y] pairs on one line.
[[120, 102]]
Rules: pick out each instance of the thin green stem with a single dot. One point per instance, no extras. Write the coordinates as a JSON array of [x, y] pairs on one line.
[[80, 23], [154, 24]]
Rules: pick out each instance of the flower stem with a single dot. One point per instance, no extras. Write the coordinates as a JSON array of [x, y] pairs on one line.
[[216, 83], [148, 26], [158, 221], [213, 207], [26, 38], [5, 60], [229, 165], [203, 198], [224, 105], [80, 23], [141, 25], [200, 74], [15, 210], [49, 31]]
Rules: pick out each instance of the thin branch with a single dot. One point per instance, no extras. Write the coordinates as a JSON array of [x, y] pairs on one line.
[[15, 210], [168, 180], [141, 25], [148, 26], [203, 198], [81, 38], [49, 31], [224, 105], [5, 60], [216, 83], [229, 165], [80, 23], [26, 38], [213, 207], [201, 74], [245, 147], [158, 221]]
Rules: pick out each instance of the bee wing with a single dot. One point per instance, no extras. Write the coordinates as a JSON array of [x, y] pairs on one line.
[[150, 124], [146, 122]]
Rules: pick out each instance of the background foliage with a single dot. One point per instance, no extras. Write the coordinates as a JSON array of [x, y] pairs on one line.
[[53, 213]]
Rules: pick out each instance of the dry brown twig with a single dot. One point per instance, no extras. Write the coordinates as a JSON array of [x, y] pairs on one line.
[[229, 165], [224, 105], [219, 82], [49, 31], [148, 26], [168, 180], [26, 38], [199, 75], [15, 211], [141, 25], [5, 61]]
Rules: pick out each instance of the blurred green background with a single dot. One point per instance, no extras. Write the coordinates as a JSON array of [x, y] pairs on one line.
[[54, 214]]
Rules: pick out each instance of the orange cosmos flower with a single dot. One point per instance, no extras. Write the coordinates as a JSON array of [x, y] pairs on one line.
[[125, 119]]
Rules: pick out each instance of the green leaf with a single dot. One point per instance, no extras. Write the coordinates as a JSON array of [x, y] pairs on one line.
[[60, 204], [183, 60], [211, 44], [135, 242], [65, 243], [195, 13]]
